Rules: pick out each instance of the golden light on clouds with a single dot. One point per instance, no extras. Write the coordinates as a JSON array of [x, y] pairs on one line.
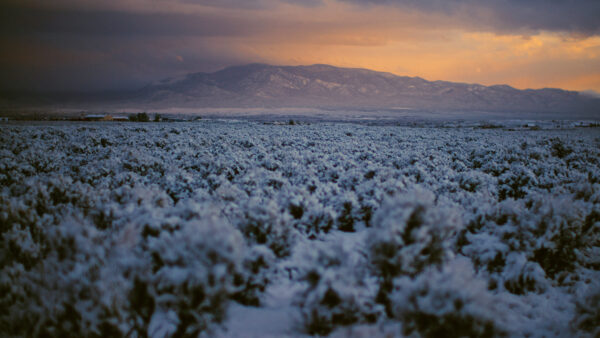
[[540, 61], [488, 42], [428, 45]]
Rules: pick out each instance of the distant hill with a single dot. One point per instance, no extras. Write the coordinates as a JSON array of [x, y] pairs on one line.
[[324, 86]]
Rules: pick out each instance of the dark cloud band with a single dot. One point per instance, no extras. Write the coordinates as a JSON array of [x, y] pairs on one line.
[[76, 44], [514, 16], [577, 16], [14, 20]]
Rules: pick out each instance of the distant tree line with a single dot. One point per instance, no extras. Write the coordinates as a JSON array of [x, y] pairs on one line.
[[139, 117], [143, 117]]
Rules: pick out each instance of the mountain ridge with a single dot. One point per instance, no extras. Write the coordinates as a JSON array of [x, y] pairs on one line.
[[259, 85], [319, 85]]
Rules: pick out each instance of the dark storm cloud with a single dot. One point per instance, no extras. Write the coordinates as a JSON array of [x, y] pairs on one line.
[[55, 48], [90, 45], [15, 20], [577, 16], [69, 45], [81, 63], [252, 4]]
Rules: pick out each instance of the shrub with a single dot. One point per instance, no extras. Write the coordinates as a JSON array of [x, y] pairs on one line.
[[267, 224], [410, 233], [193, 272], [254, 276], [587, 315], [139, 117], [338, 292], [561, 239], [176, 280], [70, 292], [308, 215], [516, 182], [559, 149], [446, 302], [474, 181], [521, 276], [348, 212]]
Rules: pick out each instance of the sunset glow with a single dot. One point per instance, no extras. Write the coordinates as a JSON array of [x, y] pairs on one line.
[[117, 44]]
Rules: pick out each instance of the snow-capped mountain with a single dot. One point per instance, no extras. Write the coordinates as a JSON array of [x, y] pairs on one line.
[[321, 86], [261, 85]]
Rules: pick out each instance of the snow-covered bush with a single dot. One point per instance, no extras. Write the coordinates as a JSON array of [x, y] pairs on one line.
[[193, 270], [521, 276], [529, 241], [411, 232], [71, 291], [559, 149], [473, 181], [587, 315], [269, 225], [310, 216], [255, 275], [554, 233], [447, 302], [515, 183], [91, 282], [339, 290], [113, 230], [348, 211]]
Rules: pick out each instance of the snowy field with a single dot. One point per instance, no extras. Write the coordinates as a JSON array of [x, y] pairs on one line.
[[249, 230]]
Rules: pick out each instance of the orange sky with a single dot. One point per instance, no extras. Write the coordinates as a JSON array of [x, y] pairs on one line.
[[520, 43], [431, 46]]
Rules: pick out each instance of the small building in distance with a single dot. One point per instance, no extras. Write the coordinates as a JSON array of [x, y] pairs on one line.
[[120, 118]]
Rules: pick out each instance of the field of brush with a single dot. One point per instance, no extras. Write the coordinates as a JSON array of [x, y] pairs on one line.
[[242, 229]]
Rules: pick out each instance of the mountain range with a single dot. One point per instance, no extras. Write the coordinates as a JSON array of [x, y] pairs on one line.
[[322, 86]]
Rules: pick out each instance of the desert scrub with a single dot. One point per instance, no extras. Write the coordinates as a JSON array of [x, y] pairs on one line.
[[410, 233], [339, 290], [437, 304]]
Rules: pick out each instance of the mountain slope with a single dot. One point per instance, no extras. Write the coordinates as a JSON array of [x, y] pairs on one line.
[[323, 86], [259, 85]]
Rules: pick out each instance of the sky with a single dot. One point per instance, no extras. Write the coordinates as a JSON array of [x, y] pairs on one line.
[[89, 45]]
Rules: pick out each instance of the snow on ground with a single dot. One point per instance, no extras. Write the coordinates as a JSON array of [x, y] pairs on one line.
[[249, 230]]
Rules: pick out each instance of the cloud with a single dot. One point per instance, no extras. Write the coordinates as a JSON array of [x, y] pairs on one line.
[[107, 63], [23, 21], [578, 16], [253, 4], [91, 44]]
